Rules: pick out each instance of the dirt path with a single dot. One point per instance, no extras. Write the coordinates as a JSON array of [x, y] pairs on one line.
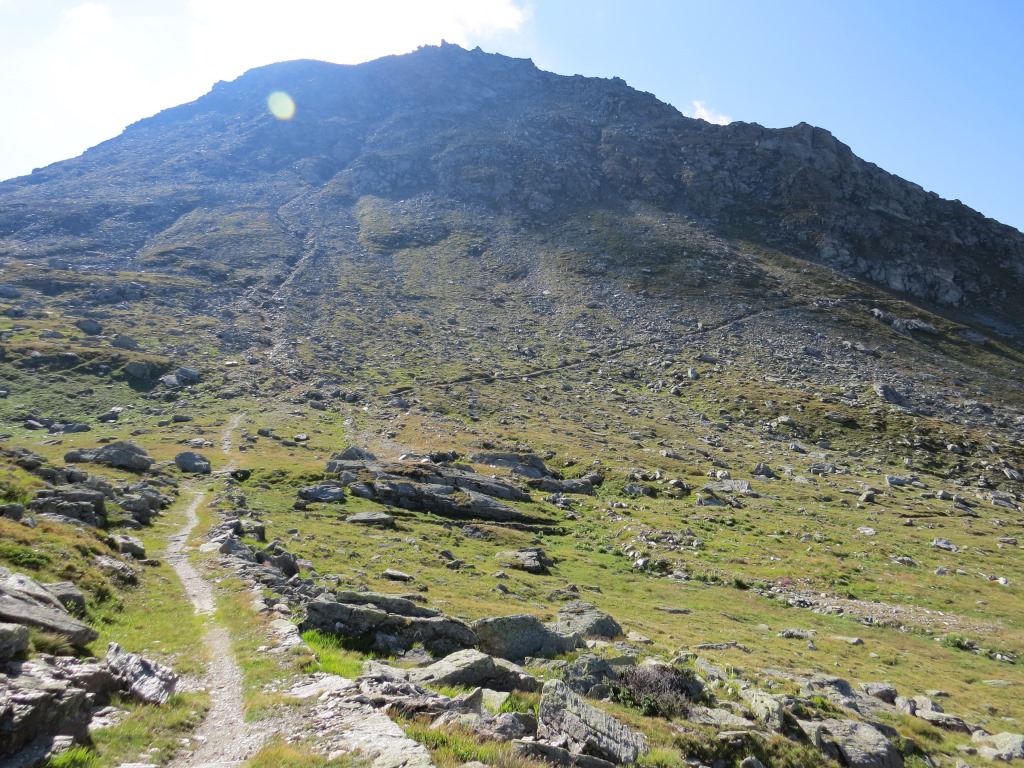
[[224, 738]]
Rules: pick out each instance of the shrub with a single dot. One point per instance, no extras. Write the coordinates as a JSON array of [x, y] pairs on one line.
[[656, 690], [22, 557]]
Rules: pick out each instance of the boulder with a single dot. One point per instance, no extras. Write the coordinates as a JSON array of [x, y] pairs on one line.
[[566, 719], [1001, 746], [146, 681], [587, 673], [532, 560], [13, 641], [129, 545], [89, 327], [548, 753], [327, 492], [883, 691], [516, 637], [943, 720], [471, 668], [387, 632], [854, 744], [190, 461], [68, 595], [587, 620], [352, 453], [123, 455], [39, 705], [33, 606], [187, 375], [375, 519], [138, 370]]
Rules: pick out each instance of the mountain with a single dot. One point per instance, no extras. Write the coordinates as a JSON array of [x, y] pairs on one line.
[[751, 396]]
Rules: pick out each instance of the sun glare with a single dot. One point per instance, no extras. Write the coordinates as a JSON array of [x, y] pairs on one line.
[[281, 105]]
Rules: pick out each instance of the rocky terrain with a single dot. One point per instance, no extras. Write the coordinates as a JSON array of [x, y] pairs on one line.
[[480, 415]]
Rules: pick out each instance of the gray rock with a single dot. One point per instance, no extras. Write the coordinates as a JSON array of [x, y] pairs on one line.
[[68, 595], [586, 672], [532, 560], [129, 545], [946, 544], [854, 744], [587, 620], [8, 291], [516, 637], [943, 720], [187, 375], [138, 370], [145, 680], [765, 707], [388, 632], [39, 704], [567, 719], [473, 668], [35, 607], [192, 462], [325, 492], [121, 341], [89, 327], [352, 453], [548, 753], [376, 519], [13, 641], [835, 689], [1001, 746], [123, 455], [883, 691]]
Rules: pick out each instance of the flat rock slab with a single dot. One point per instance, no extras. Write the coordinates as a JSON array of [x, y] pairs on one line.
[[17, 610], [375, 519]]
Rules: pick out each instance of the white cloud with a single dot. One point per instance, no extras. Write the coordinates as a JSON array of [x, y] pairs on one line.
[[703, 112], [79, 72], [230, 36]]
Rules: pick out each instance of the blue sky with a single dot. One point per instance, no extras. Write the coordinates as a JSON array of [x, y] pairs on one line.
[[931, 91]]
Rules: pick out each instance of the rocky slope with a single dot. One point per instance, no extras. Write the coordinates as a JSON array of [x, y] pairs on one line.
[[735, 409]]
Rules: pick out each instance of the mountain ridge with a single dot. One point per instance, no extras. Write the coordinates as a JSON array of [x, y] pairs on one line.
[[798, 187], [501, 364]]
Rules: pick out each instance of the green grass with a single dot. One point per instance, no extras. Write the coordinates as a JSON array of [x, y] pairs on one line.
[[76, 757], [331, 656], [151, 732], [452, 746], [279, 755]]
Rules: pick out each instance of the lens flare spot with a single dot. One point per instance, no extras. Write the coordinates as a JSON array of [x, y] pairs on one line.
[[281, 105]]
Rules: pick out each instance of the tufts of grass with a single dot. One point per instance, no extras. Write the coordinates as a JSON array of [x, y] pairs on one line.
[[23, 557], [452, 747], [280, 755], [156, 730], [49, 642], [76, 757], [260, 670], [518, 701], [331, 655]]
